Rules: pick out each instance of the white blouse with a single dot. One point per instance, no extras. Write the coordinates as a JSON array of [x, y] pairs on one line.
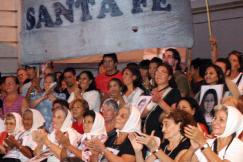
[[93, 99], [133, 98]]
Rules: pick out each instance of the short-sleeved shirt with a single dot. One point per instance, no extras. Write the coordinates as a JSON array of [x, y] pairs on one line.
[[15, 107], [152, 120], [103, 80], [123, 148]]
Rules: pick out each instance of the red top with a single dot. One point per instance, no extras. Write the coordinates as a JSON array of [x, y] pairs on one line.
[[102, 81], [203, 128], [78, 127], [3, 136]]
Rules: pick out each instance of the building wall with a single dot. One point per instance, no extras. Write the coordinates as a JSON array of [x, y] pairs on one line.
[[9, 22]]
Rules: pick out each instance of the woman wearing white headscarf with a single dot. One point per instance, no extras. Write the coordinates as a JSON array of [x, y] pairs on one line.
[[21, 142], [118, 147], [62, 123], [226, 147], [94, 128]]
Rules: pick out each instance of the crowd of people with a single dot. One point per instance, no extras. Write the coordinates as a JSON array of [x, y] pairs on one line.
[[65, 116]]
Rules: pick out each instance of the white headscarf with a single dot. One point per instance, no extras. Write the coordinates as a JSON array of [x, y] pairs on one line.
[[133, 123], [67, 122], [233, 123], [38, 119], [19, 125]]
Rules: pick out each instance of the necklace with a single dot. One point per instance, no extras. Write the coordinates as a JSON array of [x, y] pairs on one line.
[[169, 153]]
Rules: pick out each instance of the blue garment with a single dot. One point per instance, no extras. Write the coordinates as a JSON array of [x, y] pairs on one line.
[[45, 107]]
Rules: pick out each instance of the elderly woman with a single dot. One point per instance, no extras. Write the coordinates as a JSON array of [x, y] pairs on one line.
[[109, 110], [226, 147], [62, 123], [118, 147], [175, 144]]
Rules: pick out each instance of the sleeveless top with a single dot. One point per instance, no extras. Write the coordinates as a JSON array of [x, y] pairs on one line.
[[15, 107]]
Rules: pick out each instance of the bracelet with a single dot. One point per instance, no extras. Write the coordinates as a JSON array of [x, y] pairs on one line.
[[155, 151], [206, 145]]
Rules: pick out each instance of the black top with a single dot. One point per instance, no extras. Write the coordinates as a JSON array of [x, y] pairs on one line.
[[123, 148], [152, 120], [183, 145]]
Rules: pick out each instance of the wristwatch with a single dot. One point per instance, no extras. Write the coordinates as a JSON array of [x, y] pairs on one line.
[[206, 145]]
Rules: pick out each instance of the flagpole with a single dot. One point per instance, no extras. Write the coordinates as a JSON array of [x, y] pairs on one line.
[[209, 18]]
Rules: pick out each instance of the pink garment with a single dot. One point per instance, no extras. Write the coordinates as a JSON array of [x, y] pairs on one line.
[[15, 107]]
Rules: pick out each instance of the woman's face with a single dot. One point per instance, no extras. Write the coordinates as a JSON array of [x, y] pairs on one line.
[[10, 125], [114, 88], [84, 81], [108, 113], [219, 122], [209, 103], [211, 76], [185, 105], [128, 77], [88, 123], [235, 64], [161, 76], [77, 110], [47, 82], [63, 85], [27, 120], [170, 128], [10, 85], [58, 119], [121, 118]]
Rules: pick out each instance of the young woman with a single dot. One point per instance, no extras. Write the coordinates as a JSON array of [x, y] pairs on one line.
[[78, 108], [22, 144], [115, 91], [132, 81], [191, 106], [94, 128], [13, 102], [225, 147], [88, 90], [44, 100], [175, 144]]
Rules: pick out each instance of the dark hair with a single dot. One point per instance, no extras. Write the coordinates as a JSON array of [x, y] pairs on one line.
[[112, 56], [118, 81], [63, 103], [176, 56], [198, 116], [214, 93], [195, 63], [90, 113], [144, 64], [13, 77], [238, 54], [2, 80], [172, 82], [179, 116], [226, 62], [135, 72], [204, 64], [70, 70], [156, 60], [72, 159], [220, 74], [84, 103], [90, 75]]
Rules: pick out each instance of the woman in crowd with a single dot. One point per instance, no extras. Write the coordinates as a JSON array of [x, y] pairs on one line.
[[109, 110], [62, 123], [236, 75], [22, 145], [13, 102], [175, 144], [94, 128], [132, 80], [115, 91], [78, 108], [13, 126], [191, 106], [118, 147], [225, 147], [88, 90], [209, 101], [164, 97], [44, 100]]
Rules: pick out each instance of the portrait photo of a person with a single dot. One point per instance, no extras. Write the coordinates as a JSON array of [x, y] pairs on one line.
[[209, 101]]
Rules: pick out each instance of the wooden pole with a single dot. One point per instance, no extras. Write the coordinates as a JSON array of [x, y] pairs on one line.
[[209, 18]]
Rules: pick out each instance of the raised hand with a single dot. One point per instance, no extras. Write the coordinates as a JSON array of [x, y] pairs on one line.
[[193, 133], [136, 146]]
